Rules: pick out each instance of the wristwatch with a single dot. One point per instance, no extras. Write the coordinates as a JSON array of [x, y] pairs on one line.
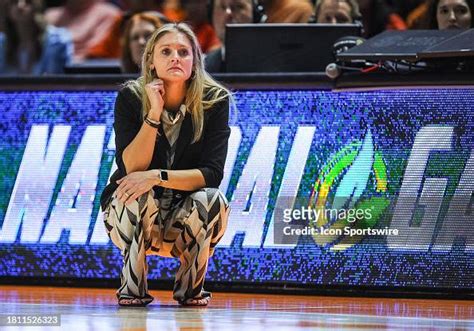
[[162, 175]]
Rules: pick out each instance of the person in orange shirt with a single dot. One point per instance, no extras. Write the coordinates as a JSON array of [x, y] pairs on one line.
[[196, 16], [287, 11], [378, 16], [89, 21], [110, 47], [173, 10]]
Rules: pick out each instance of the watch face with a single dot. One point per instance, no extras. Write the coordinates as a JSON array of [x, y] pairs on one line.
[[164, 175]]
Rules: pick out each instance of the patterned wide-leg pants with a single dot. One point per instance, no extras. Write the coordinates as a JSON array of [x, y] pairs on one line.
[[188, 230]]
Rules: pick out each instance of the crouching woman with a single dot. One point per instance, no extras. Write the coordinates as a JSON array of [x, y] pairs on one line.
[[171, 133]]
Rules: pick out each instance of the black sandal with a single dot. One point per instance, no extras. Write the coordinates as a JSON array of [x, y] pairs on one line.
[[200, 301], [131, 301]]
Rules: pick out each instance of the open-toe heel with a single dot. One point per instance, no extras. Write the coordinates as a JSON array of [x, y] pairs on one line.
[[199, 301], [131, 301]]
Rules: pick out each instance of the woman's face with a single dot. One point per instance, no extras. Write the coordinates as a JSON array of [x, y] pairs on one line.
[[139, 34], [173, 57], [453, 14], [334, 12]]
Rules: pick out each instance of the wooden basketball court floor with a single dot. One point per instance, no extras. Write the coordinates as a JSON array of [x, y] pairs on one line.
[[97, 309]]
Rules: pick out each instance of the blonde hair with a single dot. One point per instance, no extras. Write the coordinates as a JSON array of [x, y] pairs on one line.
[[199, 84]]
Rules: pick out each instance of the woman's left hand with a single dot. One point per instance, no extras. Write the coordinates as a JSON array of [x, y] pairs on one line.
[[135, 184]]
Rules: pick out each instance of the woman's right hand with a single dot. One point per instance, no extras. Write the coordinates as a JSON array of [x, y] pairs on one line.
[[155, 91]]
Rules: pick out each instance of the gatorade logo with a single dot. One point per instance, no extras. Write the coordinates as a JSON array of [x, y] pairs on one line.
[[354, 184]]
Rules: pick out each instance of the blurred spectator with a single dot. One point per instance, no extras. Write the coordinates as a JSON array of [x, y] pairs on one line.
[[136, 6], [450, 14], [337, 11], [378, 16], [287, 11], [173, 11], [416, 19], [441, 14], [88, 20], [27, 44], [224, 12], [136, 33], [405, 7], [110, 45], [196, 16]]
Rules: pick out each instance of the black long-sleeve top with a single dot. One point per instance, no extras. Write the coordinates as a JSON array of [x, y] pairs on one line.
[[208, 154]]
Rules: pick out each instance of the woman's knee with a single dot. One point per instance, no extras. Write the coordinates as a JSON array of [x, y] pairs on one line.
[[208, 196], [135, 206], [212, 199], [125, 217]]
